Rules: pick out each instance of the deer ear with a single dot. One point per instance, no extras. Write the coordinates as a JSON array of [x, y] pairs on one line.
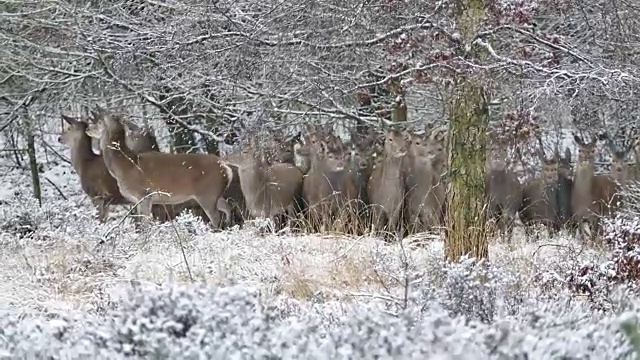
[[600, 136], [68, 119], [578, 139], [131, 125], [93, 117], [440, 133]]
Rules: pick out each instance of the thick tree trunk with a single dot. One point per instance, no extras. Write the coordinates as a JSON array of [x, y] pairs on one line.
[[466, 229], [466, 214]]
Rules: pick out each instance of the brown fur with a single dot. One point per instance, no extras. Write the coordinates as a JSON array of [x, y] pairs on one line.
[[95, 179], [269, 189], [329, 185], [199, 177], [539, 200], [426, 191], [504, 192], [593, 195], [386, 185]]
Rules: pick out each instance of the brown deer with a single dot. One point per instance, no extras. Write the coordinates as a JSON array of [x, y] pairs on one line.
[[540, 196], [593, 195], [159, 178], [425, 189], [504, 191], [385, 188], [635, 169], [360, 168], [309, 144], [363, 154], [330, 185], [282, 151], [619, 169], [141, 139], [95, 179], [270, 188]]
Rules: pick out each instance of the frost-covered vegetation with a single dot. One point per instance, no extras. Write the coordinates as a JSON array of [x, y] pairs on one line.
[[205, 74], [73, 287]]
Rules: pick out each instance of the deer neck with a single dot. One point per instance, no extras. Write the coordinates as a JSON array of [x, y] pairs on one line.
[[584, 176], [253, 180], [430, 170], [317, 165], [82, 153], [117, 155], [392, 166]]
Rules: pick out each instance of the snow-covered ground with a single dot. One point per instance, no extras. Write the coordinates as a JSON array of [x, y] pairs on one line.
[[72, 287]]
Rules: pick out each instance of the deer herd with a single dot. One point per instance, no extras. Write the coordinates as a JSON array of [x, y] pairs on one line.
[[394, 183]]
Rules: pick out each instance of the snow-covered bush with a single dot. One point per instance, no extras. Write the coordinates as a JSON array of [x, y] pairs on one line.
[[620, 271], [24, 217], [202, 322]]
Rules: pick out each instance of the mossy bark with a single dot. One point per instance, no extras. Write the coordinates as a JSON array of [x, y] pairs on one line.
[[399, 112], [466, 213], [399, 109], [469, 121]]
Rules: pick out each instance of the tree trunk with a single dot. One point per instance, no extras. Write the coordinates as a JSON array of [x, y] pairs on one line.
[[399, 111], [466, 214], [33, 164], [465, 222]]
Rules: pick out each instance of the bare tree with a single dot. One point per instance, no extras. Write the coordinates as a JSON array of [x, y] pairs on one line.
[[206, 67]]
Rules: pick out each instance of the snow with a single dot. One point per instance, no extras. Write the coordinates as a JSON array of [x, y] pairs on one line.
[[240, 294]]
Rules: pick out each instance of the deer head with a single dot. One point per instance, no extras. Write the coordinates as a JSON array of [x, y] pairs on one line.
[[586, 150], [618, 157], [74, 133], [395, 143], [549, 169], [564, 164]]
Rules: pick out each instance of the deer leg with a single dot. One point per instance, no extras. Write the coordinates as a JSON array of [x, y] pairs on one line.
[[102, 206], [594, 224], [161, 213], [210, 207], [144, 209], [291, 213], [507, 225], [377, 219], [224, 206], [396, 227]]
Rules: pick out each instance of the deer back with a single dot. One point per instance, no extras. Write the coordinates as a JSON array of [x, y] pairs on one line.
[[184, 176]]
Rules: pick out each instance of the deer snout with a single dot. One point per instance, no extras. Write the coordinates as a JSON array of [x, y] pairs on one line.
[[60, 139]]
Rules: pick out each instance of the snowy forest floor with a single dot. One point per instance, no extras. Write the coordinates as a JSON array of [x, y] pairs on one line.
[[179, 290]]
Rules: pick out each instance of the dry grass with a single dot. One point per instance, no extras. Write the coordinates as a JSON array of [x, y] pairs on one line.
[[351, 219], [68, 271]]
